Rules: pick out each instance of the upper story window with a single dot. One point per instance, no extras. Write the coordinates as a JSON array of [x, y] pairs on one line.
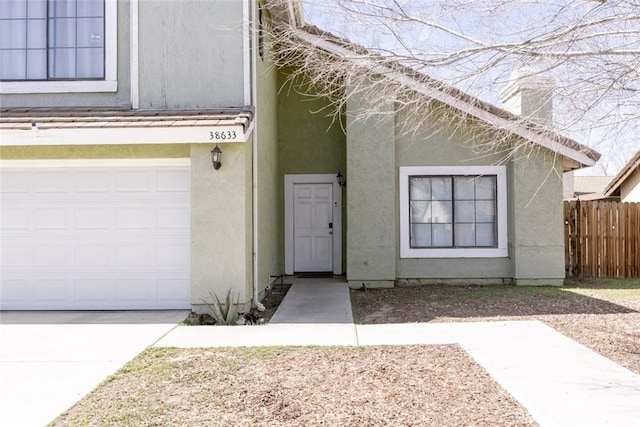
[[453, 212], [57, 46]]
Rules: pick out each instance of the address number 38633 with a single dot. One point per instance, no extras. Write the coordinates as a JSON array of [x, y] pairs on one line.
[[222, 135]]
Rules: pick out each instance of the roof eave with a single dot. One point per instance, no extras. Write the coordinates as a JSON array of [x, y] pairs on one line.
[[624, 173]]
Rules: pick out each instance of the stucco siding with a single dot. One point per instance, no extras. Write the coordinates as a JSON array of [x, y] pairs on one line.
[[269, 184], [310, 141], [441, 143], [191, 54], [219, 225], [537, 243], [371, 212], [150, 151]]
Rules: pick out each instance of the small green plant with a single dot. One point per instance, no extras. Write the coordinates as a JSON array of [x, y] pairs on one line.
[[224, 314]]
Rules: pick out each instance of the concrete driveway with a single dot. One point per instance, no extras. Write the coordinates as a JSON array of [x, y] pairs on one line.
[[50, 360]]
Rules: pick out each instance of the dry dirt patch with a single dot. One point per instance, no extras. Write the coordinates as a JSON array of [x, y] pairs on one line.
[[427, 385], [379, 386], [602, 314]]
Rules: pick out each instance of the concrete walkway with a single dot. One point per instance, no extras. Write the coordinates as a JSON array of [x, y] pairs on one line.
[[318, 301], [560, 382], [50, 360]]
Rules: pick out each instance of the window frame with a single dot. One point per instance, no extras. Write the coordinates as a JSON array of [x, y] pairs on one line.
[[108, 84], [500, 251]]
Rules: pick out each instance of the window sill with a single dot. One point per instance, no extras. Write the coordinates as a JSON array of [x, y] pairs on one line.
[[58, 87], [454, 253]]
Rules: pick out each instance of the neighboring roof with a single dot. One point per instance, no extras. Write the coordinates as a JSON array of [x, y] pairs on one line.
[[109, 117], [632, 165], [292, 18], [589, 184], [590, 187]]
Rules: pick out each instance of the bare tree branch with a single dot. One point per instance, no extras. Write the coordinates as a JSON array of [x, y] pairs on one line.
[[590, 48]]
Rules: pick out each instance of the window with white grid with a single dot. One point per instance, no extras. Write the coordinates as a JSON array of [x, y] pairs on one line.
[[453, 211], [46, 43]]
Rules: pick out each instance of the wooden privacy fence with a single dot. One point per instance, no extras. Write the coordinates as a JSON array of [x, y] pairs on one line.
[[602, 239]]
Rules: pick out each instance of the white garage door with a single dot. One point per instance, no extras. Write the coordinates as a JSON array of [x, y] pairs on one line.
[[95, 235]]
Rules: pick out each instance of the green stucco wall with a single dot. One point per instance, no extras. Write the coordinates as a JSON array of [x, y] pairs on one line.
[[147, 151], [310, 141], [371, 203], [537, 222], [191, 54], [376, 148], [442, 143], [220, 232], [269, 184]]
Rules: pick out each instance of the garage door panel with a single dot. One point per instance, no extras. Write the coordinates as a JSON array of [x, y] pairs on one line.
[[14, 181], [53, 218], [96, 254], [94, 181], [133, 290], [173, 253], [15, 218], [57, 181], [53, 255], [93, 218], [131, 181], [169, 217], [173, 180], [95, 238], [15, 291], [93, 291], [16, 256], [139, 218], [133, 254], [171, 290], [52, 291]]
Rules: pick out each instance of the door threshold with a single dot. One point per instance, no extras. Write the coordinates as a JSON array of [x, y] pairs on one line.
[[314, 275]]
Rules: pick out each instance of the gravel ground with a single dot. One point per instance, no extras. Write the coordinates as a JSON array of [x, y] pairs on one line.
[[380, 386]]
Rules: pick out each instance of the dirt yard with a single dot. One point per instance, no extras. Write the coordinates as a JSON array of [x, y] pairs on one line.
[[412, 385], [603, 315]]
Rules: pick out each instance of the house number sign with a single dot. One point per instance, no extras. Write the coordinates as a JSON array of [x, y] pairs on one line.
[[224, 135]]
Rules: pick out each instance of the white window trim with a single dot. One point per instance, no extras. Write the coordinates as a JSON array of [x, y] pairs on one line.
[[406, 251], [110, 82]]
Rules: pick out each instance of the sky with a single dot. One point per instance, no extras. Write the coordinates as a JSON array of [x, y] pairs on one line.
[[610, 127]]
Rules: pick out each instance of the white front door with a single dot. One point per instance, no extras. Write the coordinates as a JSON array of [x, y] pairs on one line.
[[313, 227], [313, 224]]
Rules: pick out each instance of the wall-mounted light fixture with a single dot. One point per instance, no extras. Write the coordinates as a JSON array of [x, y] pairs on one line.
[[342, 182], [216, 155]]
